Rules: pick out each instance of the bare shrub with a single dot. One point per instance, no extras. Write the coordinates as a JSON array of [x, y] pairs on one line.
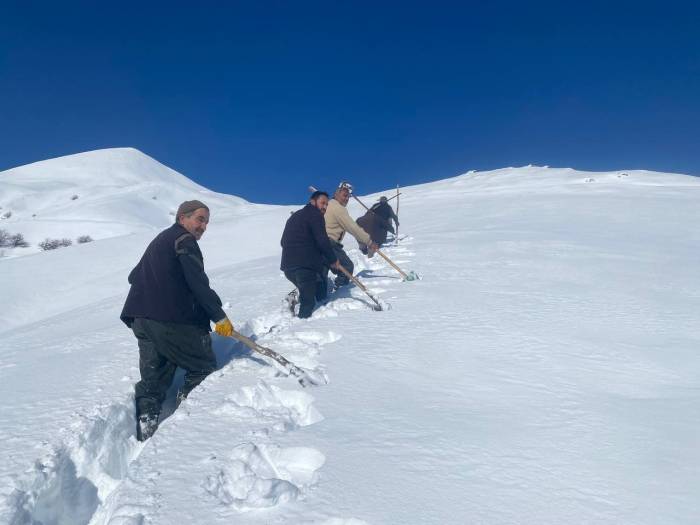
[[18, 241], [12, 241], [51, 244]]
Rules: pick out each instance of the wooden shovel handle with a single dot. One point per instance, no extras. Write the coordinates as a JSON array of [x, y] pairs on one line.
[[362, 287], [262, 350], [358, 200], [353, 278], [392, 263]]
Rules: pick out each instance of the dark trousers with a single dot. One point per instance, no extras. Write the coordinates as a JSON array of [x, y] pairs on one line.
[[312, 287], [162, 348], [341, 279]]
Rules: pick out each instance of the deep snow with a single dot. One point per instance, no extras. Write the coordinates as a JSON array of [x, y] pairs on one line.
[[544, 370]]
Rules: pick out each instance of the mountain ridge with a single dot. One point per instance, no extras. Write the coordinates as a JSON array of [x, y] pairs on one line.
[[102, 193]]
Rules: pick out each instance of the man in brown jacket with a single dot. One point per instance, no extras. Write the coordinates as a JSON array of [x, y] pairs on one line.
[[377, 222], [338, 221]]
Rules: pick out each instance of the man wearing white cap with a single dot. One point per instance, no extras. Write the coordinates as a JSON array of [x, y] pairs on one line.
[[338, 221]]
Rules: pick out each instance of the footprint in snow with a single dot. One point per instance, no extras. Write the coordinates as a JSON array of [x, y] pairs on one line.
[[286, 408], [262, 476], [318, 338], [333, 308]]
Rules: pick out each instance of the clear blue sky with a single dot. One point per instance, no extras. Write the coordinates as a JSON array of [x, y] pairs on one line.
[[260, 99]]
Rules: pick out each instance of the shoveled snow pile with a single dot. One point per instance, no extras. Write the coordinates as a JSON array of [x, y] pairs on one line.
[[544, 370], [99, 194]]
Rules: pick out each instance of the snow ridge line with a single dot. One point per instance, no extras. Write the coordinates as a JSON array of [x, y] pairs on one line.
[[78, 478]]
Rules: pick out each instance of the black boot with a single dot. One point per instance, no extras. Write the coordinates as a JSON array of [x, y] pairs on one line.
[[292, 300], [146, 426], [147, 416]]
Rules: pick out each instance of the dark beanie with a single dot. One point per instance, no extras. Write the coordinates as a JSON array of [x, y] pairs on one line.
[[188, 207]]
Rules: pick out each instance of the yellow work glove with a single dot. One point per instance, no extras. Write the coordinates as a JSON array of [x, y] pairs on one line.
[[224, 327]]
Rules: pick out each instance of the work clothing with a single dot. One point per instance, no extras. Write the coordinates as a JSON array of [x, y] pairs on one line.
[[312, 286], [306, 252], [338, 221], [169, 284], [341, 279], [377, 222], [169, 308], [304, 241], [162, 348], [224, 328]]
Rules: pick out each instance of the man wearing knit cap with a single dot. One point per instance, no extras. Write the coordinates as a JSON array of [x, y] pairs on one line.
[[169, 308], [377, 222]]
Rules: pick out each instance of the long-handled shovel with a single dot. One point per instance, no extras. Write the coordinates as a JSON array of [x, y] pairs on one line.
[[361, 203], [377, 307], [410, 276], [397, 202], [303, 376]]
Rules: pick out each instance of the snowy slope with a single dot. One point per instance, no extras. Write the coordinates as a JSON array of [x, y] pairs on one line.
[[102, 194], [544, 370]]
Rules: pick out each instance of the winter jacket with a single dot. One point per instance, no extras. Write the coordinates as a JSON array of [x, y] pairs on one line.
[[377, 221], [386, 212], [304, 241], [169, 284], [338, 221]]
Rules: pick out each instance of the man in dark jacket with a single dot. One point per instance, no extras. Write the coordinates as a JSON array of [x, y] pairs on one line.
[[306, 251], [169, 307], [377, 222]]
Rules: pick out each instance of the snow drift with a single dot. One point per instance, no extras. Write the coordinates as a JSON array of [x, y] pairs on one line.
[[544, 370]]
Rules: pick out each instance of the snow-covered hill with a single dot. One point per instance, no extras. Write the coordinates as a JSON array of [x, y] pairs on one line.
[[543, 371], [104, 193]]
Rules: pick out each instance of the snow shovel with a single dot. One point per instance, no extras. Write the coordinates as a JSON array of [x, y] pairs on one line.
[[361, 203], [410, 276], [303, 376], [377, 307]]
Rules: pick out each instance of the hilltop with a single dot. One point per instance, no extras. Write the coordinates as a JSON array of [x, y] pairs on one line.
[[102, 194]]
